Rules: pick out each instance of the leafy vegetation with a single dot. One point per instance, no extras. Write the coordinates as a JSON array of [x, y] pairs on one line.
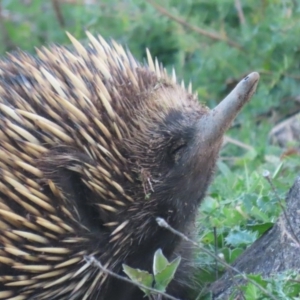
[[163, 273], [213, 43]]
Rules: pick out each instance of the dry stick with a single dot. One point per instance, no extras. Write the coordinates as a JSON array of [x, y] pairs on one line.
[[58, 13], [238, 6], [270, 73], [162, 223], [212, 35], [91, 260], [228, 139]]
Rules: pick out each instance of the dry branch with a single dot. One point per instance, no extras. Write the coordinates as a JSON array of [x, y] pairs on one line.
[[239, 8], [212, 35]]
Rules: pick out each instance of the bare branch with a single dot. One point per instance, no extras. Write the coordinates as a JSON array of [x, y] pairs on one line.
[[228, 139], [212, 35], [58, 13], [240, 12]]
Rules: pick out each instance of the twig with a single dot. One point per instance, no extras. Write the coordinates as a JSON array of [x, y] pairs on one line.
[[211, 35], [58, 13], [93, 261], [162, 223], [240, 12], [293, 76], [228, 139]]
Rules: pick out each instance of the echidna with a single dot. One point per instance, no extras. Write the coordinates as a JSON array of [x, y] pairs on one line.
[[94, 147]]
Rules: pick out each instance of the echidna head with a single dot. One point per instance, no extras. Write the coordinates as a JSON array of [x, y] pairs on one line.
[[174, 150]]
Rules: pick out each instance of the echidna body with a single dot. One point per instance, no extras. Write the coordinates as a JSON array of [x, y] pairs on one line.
[[94, 146]]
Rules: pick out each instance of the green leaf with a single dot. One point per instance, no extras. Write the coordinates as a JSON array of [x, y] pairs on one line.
[[159, 262], [139, 276], [241, 237], [235, 254], [164, 277], [278, 169], [252, 292], [260, 228], [260, 215], [224, 169], [258, 279]]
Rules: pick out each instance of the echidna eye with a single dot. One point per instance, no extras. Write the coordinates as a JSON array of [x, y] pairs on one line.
[[177, 152], [178, 148]]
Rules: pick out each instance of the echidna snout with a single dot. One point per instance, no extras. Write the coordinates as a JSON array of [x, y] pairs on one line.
[[94, 147]]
